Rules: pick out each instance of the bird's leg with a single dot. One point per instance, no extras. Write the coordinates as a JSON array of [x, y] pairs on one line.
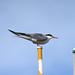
[[38, 44]]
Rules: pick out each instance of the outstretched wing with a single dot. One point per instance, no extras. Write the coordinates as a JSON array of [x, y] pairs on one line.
[[39, 37]]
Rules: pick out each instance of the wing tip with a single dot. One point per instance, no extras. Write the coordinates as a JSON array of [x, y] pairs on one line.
[[12, 31], [9, 30]]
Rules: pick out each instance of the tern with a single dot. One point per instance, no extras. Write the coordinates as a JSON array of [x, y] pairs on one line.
[[36, 38]]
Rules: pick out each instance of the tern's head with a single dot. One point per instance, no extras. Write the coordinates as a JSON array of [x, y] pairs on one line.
[[51, 36]]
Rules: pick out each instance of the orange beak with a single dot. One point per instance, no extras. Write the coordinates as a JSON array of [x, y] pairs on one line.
[[55, 37]]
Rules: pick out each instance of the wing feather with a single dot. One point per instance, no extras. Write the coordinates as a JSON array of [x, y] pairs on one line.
[[39, 37]]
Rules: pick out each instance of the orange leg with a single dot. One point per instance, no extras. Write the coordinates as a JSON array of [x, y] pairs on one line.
[[38, 44]]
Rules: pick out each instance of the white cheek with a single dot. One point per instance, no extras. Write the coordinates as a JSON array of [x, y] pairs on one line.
[[49, 37]]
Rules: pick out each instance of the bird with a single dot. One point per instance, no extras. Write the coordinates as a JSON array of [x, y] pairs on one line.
[[36, 38]]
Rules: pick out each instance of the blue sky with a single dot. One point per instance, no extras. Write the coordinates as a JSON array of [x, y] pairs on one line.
[[19, 56]]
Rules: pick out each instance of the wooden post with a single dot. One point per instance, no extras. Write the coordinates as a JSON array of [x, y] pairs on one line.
[[40, 65]]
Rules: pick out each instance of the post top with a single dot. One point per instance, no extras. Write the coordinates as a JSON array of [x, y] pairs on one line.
[[74, 50], [39, 46]]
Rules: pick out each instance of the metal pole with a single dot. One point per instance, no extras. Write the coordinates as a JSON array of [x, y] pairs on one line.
[[40, 65], [74, 60]]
